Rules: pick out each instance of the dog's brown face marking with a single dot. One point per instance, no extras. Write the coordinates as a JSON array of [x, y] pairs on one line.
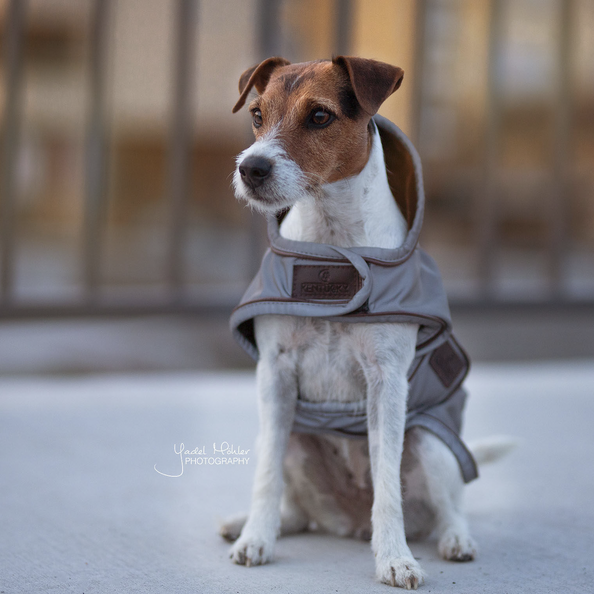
[[311, 123], [312, 111]]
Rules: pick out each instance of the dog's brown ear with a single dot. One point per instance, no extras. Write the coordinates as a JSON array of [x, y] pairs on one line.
[[373, 82], [257, 76]]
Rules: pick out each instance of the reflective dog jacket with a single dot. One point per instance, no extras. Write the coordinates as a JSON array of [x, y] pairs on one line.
[[368, 284]]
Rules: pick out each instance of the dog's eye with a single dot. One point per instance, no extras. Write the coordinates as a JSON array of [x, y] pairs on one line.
[[257, 118], [320, 118]]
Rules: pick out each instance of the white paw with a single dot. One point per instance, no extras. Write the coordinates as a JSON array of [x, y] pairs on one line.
[[252, 550], [230, 529], [402, 572], [456, 547]]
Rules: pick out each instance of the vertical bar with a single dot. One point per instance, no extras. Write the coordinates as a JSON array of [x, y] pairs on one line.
[[13, 55], [344, 21], [269, 43], [563, 117], [419, 67], [269, 29], [487, 201], [181, 142], [96, 170]]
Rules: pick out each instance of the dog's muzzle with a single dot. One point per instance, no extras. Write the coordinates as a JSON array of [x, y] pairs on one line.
[[254, 170]]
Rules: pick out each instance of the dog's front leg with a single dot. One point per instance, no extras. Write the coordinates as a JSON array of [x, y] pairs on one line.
[[386, 368], [277, 392]]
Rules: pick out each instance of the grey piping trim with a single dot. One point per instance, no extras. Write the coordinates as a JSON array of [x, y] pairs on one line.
[[357, 412], [467, 464]]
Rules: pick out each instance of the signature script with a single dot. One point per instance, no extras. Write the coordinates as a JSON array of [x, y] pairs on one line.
[[200, 455]]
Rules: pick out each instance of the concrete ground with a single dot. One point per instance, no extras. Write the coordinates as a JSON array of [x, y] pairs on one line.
[[83, 510]]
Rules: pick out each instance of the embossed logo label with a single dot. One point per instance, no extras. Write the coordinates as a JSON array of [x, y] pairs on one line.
[[325, 282], [446, 363], [324, 275]]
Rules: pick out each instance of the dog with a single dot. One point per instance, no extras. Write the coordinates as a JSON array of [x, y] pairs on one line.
[[318, 159]]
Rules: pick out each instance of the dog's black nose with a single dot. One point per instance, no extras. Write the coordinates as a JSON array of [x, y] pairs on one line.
[[254, 170]]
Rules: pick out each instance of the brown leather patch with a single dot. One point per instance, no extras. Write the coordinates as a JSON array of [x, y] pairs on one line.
[[446, 363], [325, 282]]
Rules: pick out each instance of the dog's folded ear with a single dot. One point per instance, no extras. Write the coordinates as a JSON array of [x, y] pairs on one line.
[[257, 76], [372, 81]]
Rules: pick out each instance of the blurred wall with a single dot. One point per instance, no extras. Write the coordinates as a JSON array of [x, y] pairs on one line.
[[443, 104]]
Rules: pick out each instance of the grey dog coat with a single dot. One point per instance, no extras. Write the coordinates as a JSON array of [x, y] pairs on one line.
[[368, 284]]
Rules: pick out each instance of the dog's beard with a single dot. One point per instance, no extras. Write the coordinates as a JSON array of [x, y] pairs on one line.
[[285, 185]]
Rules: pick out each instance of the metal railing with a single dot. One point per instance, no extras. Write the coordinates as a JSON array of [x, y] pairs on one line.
[[177, 298], [487, 205], [487, 213], [96, 160], [13, 55]]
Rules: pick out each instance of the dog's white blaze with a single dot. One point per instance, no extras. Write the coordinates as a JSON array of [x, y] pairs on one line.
[[285, 186]]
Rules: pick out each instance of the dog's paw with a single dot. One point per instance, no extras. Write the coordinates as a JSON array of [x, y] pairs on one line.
[[230, 529], [402, 572], [252, 550], [457, 547]]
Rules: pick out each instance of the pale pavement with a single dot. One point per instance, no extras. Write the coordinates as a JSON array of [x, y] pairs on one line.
[[83, 510]]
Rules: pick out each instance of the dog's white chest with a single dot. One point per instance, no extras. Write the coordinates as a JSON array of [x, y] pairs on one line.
[[327, 355], [328, 366]]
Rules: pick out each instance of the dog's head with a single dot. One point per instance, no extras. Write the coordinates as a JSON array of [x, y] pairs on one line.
[[311, 123]]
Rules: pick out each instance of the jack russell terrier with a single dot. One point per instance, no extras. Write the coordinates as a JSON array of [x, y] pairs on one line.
[[358, 375]]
